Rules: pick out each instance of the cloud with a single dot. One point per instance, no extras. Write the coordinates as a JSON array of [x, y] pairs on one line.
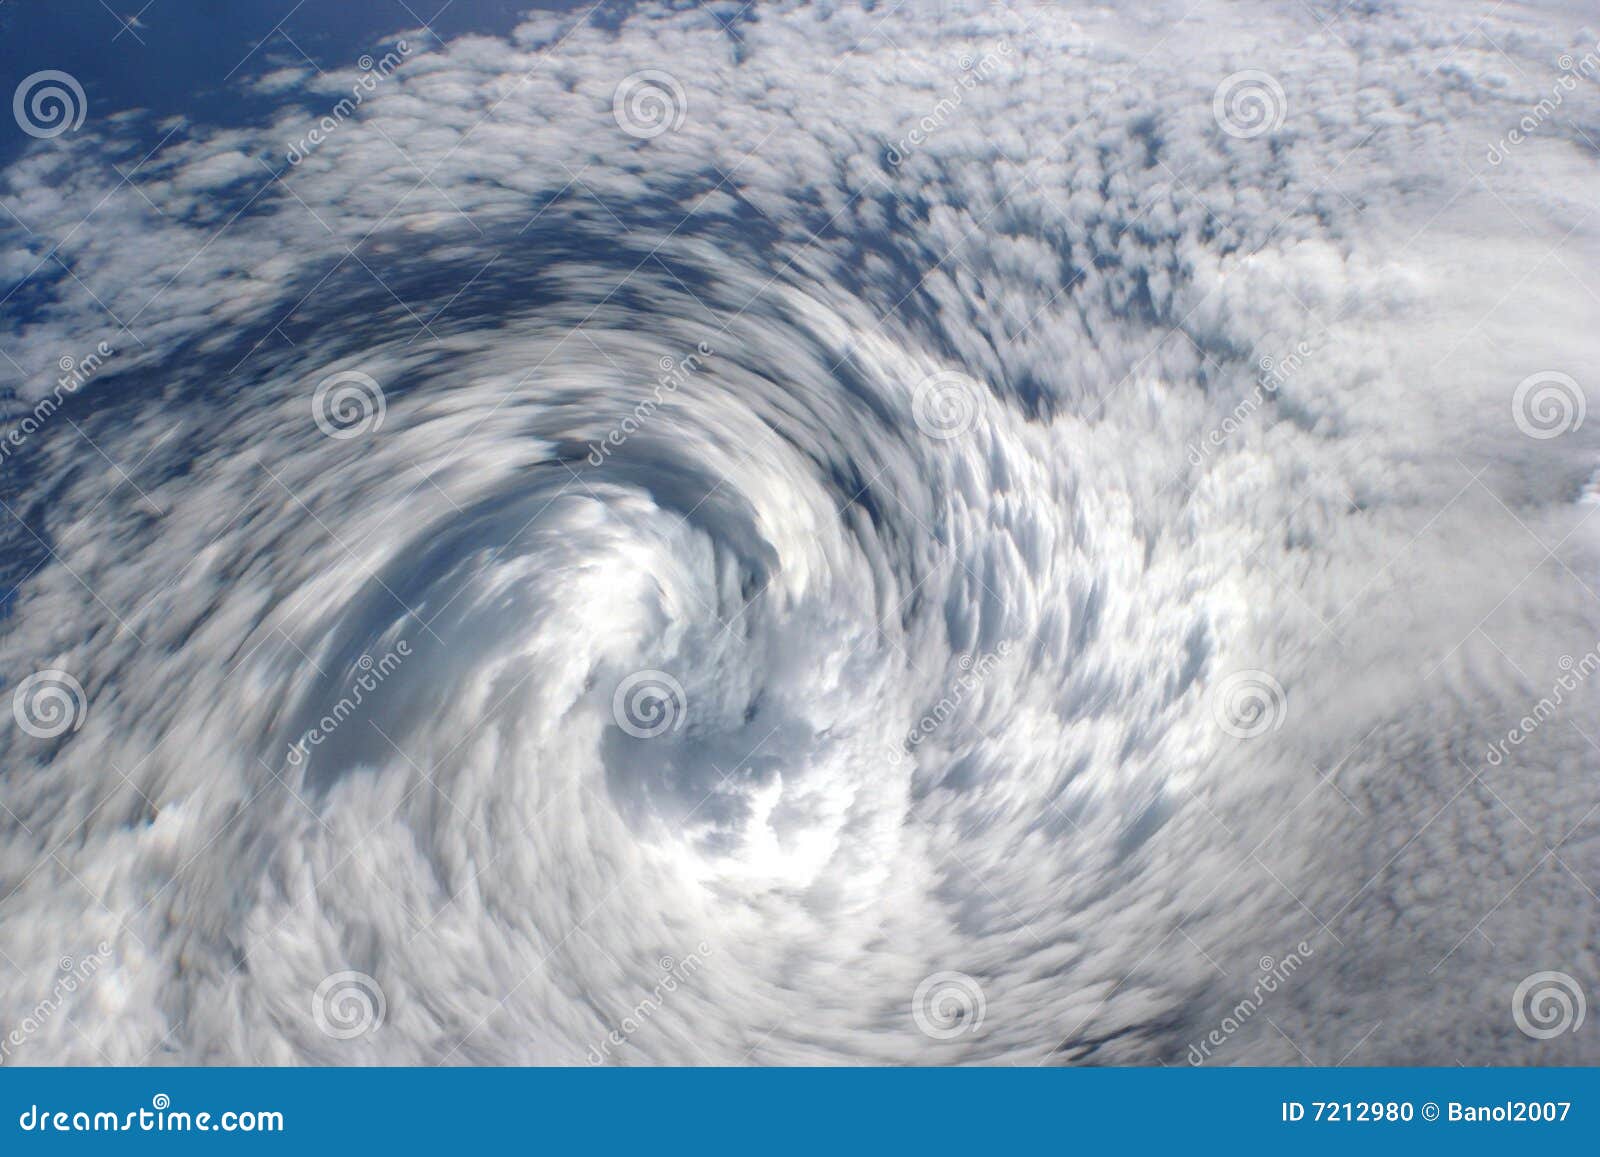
[[351, 406]]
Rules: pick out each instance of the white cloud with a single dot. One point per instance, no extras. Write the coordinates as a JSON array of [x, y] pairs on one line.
[[1078, 835]]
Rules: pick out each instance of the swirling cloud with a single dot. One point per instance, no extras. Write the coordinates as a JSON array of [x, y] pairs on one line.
[[678, 542]]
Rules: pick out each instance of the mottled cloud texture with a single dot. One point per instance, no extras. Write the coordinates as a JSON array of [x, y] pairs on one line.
[[1065, 472]]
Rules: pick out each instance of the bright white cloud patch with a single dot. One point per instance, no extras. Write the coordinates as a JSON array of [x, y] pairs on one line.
[[923, 539]]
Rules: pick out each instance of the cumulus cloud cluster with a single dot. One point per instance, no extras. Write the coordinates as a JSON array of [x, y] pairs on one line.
[[900, 662]]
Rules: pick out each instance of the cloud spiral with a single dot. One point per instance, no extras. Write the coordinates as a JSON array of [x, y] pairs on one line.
[[386, 676]]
